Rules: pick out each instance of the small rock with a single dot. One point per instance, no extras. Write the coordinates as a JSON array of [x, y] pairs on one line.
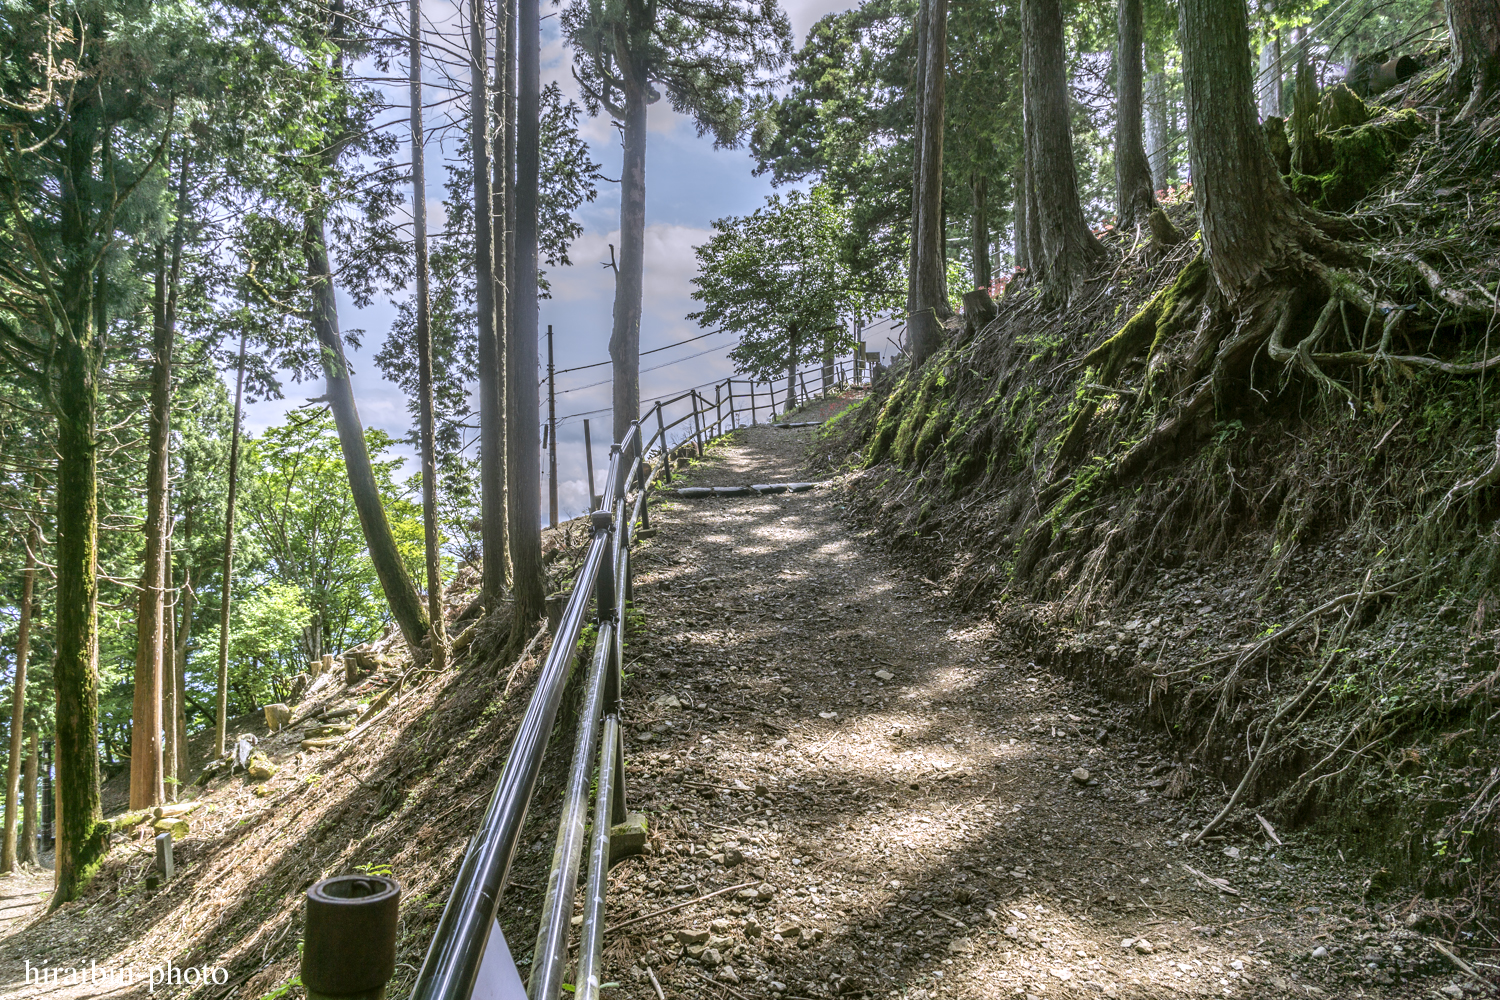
[[1063, 974], [260, 769], [961, 946], [761, 791], [1013, 932], [732, 857], [686, 936], [1128, 943], [711, 958], [828, 715], [1453, 990], [766, 890], [1143, 946], [1237, 965], [787, 928], [777, 987], [1081, 775], [752, 928], [728, 975], [884, 675], [719, 926], [1232, 852], [1320, 952], [667, 701]]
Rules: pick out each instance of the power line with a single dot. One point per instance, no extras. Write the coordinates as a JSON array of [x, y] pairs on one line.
[[665, 364], [601, 364]]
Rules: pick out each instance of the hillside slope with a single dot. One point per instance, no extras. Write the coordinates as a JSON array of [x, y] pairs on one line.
[[1297, 584]]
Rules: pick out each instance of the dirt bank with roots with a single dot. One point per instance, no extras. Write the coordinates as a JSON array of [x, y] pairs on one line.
[[1289, 562]]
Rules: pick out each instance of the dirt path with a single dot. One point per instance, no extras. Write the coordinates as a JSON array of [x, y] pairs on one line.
[[904, 801]]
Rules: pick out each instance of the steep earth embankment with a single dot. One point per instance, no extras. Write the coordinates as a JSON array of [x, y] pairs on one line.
[[1298, 585]]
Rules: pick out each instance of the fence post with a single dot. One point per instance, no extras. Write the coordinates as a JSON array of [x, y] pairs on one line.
[[753, 415], [802, 379], [604, 587], [640, 470], [588, 449], [734, 423], [718, 414], [666, 455], [697, 424]]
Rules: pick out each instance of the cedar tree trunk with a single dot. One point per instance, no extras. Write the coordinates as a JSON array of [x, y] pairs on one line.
[[931, 306], [979, 232], [221, 701], [625, 338], [26, 853], [489, 353], [1158, 133], [1068, 248], [439, 643], [1474, 27], [18, 703], [1133, 191], [524, 460], [1247, 214]]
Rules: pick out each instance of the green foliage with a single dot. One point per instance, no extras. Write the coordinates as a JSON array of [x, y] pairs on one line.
[[775, 278], [300, 531]]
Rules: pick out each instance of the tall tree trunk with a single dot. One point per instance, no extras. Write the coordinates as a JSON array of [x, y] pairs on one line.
[[1158, 133], [1269, 78], [932, 307], [18, 702], [1474, 27], [918, 110], [439, 638], [146, 750], [174, 719], [1133, 191], [525, 460], [490, 360], [979, 232], [221, 703], [504, 159], [26, 853], [794, 341], [400, 594], [1068, 248], [1020, 229], [81, 836], [1248, 216], [625, 338]]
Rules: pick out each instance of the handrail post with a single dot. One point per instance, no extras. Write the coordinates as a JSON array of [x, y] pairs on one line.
[[604, 589], [640, 470], [734, 423], [718, 413], [666, 453], [754, 417], [697, 424]]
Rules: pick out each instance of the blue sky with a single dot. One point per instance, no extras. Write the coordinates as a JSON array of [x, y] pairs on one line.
[[688, 185]]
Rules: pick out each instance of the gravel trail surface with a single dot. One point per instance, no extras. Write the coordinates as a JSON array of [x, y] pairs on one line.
[[903, 806]]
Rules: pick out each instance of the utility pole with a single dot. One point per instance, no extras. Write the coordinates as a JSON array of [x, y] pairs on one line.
[[552, 432]]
